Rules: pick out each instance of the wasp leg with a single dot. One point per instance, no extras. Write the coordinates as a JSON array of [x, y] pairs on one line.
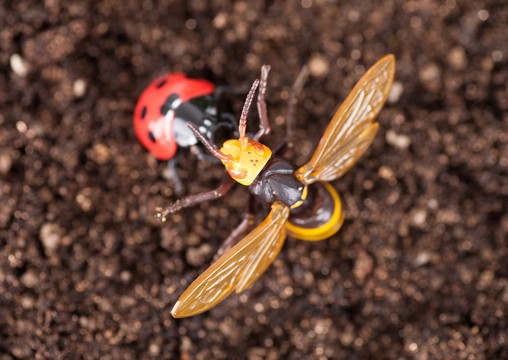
[[287, 142], [247, 223], [224, 187], [264, 125]]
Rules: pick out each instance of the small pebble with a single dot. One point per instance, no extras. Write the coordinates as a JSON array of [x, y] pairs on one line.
[[154, 349], [125, 276], [5, 164], [127, 301], [385, 172], [27, 302], [363, 266], [395, 93], [29, 279], [18, 65], [21, 351], [419, 217], [79, 87], [485, 281], [457, 58], [197, 256], [319, 66], [256, 353], [185, 344], [49, 234], [100, 153], [422, 258], [399, 141], [430, 77], [220, 21]]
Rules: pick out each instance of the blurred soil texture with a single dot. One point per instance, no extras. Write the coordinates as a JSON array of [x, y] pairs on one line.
[[420, 268]]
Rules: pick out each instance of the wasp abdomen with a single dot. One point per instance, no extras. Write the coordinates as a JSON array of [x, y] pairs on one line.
[[320, 216]]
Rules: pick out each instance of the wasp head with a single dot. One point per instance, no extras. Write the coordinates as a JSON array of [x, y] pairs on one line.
[[243, 158], [246, 159]]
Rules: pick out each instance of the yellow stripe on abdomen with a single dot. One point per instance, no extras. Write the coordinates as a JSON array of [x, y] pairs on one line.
[[327, 229]]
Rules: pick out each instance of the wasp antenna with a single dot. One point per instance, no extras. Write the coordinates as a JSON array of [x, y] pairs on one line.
[[208, 144], [245, 110], [265, 69]]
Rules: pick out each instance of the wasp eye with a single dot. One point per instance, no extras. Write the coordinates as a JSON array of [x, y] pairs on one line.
[[151, 137]]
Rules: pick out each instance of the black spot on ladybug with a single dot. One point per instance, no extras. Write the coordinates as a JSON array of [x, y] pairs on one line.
[[167, 104], [143, 112], [161, 84], [151, 137]]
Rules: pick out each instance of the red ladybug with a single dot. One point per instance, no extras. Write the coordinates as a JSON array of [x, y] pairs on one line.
[[165, 107]]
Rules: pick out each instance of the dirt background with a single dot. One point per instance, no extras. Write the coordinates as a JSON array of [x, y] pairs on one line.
[[420, 268]]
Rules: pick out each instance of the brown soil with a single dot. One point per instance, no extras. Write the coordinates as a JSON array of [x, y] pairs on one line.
[[420, 268]]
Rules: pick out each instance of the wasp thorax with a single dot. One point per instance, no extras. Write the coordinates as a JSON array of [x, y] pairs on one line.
[[248, 159]]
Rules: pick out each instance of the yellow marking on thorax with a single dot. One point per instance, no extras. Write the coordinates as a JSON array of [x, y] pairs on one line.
[[248, 158], [302, 199]]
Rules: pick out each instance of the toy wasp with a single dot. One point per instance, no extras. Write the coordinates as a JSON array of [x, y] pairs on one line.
[[303, 204]]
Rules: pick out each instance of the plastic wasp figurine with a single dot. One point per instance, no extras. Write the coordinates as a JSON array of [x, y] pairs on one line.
[[165, 107], [303, 204]]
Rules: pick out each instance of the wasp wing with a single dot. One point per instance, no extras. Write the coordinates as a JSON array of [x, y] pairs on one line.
[[351, 129], [237, 268]]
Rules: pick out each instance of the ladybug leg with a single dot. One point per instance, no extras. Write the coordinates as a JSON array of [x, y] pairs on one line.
[[202, 156], [264, 125], [224, 187], [248, 221], [287, 142], [174, 176]]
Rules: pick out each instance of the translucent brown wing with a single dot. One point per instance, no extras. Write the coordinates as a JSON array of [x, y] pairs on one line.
[[237, 268], [351, 129]]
